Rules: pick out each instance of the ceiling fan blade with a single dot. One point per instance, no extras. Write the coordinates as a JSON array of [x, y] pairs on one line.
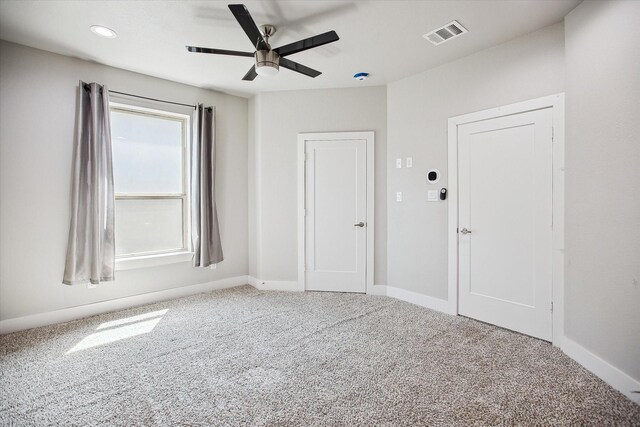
[[250, 28], [311, 42], [251, 74], [218, 51], [299, 68]]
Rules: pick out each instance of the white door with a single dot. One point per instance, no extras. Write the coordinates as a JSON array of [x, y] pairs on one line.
[[336, 215], [505, 221]]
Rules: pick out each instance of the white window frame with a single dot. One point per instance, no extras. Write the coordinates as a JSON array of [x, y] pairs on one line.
[[169, 256]]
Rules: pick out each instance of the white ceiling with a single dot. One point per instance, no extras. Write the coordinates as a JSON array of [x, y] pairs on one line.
[[383, 38]]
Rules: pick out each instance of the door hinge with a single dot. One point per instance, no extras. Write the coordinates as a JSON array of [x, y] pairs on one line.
[[552, 306], [553, 134]]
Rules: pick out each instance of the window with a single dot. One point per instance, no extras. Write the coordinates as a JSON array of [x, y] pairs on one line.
[[150, 168]]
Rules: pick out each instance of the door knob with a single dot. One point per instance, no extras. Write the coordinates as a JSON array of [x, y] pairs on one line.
[[360, 224], [465, 231]]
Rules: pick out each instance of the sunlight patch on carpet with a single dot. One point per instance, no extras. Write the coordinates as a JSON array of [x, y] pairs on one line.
[[120, 329]]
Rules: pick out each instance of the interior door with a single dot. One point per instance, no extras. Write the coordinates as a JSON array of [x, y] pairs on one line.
[[335, 215], [505, 221]]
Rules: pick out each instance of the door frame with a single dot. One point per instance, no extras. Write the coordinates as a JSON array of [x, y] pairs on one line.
[[338, 136], [556, 103]]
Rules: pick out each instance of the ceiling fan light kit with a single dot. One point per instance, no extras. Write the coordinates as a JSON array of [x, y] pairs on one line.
[[267, 60]]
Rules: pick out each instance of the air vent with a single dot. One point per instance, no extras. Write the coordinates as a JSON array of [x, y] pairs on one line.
[[447, 32]]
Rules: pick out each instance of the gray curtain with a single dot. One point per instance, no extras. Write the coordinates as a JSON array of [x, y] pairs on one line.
[[205, 234], [91, 247]]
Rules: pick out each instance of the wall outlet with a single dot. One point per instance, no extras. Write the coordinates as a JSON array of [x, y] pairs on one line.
[[91, 285], [399, 196], [409, 162], [398, 163]]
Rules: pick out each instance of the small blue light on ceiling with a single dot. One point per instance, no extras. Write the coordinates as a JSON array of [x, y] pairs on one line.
[[361, 76]]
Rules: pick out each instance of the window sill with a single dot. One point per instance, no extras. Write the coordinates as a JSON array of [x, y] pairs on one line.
[[153, 260]]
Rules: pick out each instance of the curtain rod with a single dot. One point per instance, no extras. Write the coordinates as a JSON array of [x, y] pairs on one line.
[[153, 99], [86, 86]]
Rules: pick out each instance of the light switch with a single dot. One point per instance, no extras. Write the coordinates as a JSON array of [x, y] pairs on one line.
[[433, 196], [398, 163], [399, 196], [409, 162]]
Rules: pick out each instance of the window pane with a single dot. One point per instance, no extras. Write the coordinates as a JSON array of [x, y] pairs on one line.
[[148, 225], [147, 153]]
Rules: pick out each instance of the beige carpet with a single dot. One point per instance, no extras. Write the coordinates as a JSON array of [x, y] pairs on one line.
[[247, 357]]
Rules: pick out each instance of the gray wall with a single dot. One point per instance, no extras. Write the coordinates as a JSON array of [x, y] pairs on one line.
[[418, 108], [603, 181], [37, 108], [254, 184], [251, 190], [278, 118]]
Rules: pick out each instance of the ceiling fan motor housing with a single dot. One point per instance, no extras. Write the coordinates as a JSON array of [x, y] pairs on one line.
[[267, 62]]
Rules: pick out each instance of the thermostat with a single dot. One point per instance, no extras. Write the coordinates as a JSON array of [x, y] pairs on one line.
[[433, 176]]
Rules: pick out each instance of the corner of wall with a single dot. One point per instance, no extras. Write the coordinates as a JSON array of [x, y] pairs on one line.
[[253, 193]]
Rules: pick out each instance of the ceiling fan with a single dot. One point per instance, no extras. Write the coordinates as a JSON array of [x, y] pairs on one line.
[[268, 61]]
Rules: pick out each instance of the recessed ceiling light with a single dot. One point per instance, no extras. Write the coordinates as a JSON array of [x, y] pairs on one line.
[[103, 31]]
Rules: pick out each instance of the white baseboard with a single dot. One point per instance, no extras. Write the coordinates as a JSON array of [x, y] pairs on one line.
[[274, 285], [413, 298], [601, 368], [78, 312]]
